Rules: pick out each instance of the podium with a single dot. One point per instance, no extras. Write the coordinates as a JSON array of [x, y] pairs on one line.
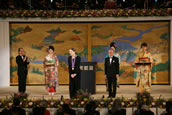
[[88, 77], [142, 64], [144, 61]]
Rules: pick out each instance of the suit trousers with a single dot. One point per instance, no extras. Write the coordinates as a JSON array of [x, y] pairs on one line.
[[22, 75], [112, 85], [73, 86]]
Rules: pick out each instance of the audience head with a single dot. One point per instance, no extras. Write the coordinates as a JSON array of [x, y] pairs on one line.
[[16, 102], [116, 105], [65, 108], [93, 104], [169, 107], [5, 112], [88, 108], [38, 110], [43, 103], [145, 108]]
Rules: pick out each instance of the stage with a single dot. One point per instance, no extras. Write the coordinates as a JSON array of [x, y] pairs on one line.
[[128, 91]]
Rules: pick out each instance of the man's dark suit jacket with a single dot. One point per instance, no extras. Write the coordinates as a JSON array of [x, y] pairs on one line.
[[22, 66], [113, 68]]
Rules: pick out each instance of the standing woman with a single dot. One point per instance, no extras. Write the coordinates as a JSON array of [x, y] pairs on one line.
[[51, 72], [143, 80], [74, 72]]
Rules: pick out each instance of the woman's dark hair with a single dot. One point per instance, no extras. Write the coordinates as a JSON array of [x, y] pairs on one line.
[[144, 45], [51, 47], [65, 107], [113, 44], [38, 111], [73, 49]]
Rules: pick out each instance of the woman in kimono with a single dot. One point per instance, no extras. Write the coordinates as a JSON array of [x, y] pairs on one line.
[[143, 80], [51, 72]]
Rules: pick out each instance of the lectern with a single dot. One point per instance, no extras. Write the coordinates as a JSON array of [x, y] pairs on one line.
[[143, 62], [88, 77]]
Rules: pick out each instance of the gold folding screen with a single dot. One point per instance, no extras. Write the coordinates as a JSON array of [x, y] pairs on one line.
[[91, 41]]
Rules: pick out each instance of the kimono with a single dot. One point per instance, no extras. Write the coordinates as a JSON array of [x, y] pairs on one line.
[[51, 73], [143, 80]]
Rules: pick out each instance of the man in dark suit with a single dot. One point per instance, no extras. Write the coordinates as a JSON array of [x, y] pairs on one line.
[[22, 62], [112, 72]]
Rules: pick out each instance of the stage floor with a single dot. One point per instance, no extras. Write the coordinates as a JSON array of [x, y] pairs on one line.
[[127, 91]]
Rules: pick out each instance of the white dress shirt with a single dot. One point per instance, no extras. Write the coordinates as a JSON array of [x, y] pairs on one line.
[[110, 59]]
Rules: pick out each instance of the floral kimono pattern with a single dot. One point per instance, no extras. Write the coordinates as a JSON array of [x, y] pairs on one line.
[[143, 80], [51, 73]]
